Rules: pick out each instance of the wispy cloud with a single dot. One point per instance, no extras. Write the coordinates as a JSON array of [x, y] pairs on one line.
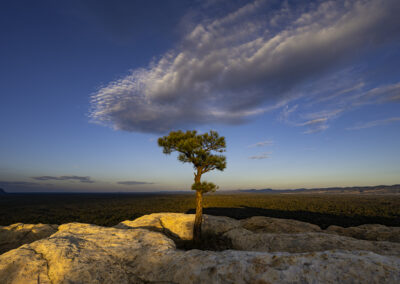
[[375, 123], [231, 68], [316, 129], [315, 125], [84, 179], [262, 156], [346, 99], [262, 144], [394, 98], [134, 182], [341, 92], [286, 111], [314, 121], [18, 183]]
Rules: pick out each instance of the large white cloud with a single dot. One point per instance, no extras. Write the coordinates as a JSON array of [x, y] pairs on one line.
[[231, 68]]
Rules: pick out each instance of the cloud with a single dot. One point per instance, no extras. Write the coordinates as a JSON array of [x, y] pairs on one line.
[[342, 92], [332, 102], [234, 67], [286, 111], [18, 183], [314, 121], [316, 129], [375, 123], [315, 125], [262, 144], [394, 98], [380, 94], [134, 182], [260, 157], [84, 179]]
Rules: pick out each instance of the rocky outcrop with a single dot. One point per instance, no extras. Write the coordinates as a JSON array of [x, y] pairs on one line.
[[18, 234], [83, 253], [260, 224], [180, 226], [242, 239], [262, 250], [175, 225], [372, 232]]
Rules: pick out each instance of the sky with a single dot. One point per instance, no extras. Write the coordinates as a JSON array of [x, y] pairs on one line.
[[306, 93]]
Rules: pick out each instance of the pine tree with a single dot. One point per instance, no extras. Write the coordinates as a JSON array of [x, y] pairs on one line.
[[200, 150]]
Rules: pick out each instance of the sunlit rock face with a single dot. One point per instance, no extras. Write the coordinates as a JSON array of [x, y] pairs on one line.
[[142, 251], [18, 234], [175, 225], [178, 225]]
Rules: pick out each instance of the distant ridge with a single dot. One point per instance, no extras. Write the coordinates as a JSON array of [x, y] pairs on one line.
[[378, 189], [99, 192]]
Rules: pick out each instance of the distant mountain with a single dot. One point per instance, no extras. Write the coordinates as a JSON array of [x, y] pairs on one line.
[[2, 192], [379, 189]]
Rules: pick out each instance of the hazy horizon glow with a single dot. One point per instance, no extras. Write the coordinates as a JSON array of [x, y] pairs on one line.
[[307, 93]]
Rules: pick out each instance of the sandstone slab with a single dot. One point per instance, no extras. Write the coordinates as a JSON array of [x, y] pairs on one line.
[[242, 239], [18, 234], [84, 253], [372, 232], [261, 224], [180, 226]]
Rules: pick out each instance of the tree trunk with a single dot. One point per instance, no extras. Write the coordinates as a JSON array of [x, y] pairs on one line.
[[199, 211], [198, 219]]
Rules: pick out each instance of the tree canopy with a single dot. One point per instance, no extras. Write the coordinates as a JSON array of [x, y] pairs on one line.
[[196, 149]]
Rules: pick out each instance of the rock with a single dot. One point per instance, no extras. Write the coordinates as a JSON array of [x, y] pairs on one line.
[[180, 226], [260, 224], [372, 232], [175, 225], [18, 234], [83, 253], [217, 225], [242, 239]]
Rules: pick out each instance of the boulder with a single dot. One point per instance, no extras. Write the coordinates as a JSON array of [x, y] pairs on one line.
[[260, 224], [175, 225], [242, 239], [217, 225], [180, 226], [83, 253], [372, 232], [18, 234]]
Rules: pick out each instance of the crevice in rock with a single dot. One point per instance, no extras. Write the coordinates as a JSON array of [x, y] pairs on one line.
[[24, 235], [212, 242], [41, 255]]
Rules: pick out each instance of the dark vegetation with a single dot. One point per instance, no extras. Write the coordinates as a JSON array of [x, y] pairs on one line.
[[110, 209]]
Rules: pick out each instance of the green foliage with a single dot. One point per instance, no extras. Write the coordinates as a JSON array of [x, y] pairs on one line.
[[204, 187], [198, 149]]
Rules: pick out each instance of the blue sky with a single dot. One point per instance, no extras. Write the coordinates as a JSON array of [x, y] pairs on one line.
[[307, 93]]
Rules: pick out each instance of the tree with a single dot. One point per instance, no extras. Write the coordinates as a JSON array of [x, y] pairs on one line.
[[200, 150]]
